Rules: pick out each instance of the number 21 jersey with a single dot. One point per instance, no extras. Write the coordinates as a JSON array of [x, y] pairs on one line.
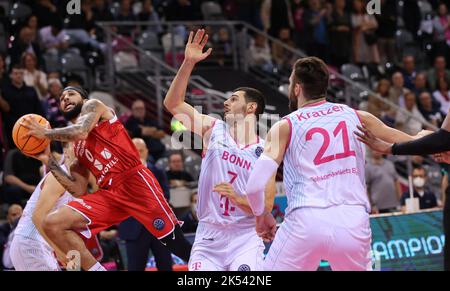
[[324, 161]]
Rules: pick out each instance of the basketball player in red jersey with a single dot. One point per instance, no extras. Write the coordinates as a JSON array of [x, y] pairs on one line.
[[126, 187]]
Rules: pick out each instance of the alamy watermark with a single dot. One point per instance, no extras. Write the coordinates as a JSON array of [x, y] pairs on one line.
[[373, 7], [73, 7]]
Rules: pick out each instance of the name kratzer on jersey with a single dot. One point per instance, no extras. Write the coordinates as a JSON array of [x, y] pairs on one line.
[[319, 113]]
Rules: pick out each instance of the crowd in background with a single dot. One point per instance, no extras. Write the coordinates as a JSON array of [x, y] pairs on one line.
[[339, 31]]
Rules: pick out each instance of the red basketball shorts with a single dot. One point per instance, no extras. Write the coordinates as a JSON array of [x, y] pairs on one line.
[[138, 194]]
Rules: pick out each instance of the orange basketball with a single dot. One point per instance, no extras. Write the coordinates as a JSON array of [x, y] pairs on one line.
[[29, 145]]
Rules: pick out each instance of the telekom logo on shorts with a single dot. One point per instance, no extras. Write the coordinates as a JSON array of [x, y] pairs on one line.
[[196, 266]]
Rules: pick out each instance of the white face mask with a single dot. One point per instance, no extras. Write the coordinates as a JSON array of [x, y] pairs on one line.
[[418, 182]]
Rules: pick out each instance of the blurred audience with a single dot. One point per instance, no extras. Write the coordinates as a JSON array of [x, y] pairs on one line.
[[411, 124], [138, 125], [21, 100], [20, 176], [190, 219], [365, 49], [383, 184], [6, 229], [33, 77], [442, 94], [177, 176], [427, 199]]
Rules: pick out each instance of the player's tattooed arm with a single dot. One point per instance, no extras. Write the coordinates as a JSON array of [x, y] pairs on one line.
[[76, 182], [90, 115]]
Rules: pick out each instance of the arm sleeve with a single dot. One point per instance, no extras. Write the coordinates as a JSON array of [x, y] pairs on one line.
[[436, 142], [263, 170]]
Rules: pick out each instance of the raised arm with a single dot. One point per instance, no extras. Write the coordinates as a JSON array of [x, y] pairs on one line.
[[175, 98], [92, 111]]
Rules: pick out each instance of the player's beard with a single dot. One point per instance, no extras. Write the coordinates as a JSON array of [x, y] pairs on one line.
[[69, 115], [293, 102], [232, 118]]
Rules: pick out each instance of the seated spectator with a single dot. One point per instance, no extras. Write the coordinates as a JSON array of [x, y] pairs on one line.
[[177, 176], [259, 53], [420, 84], [398, 90], [430, 110], [190, 219], [408, 124], [21, 175], [437, 72], [379, 108], [147, 160], [33, 77], [442, 95], [53, 37], [427, 199], [138, 125], [14, 214], [51, 104], [24, 43], [21, 100], [409, 71], [434, 175], [148, 13], [383, 186]]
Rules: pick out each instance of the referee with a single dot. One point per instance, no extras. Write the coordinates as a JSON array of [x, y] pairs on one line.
[[435, 143]]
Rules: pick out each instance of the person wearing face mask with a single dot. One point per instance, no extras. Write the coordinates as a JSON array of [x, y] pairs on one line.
[[427, 199]]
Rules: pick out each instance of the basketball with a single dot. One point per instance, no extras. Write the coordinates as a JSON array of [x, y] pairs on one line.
[[29, 145]]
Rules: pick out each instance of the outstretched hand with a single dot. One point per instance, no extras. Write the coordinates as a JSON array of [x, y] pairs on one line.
[[34, 128], [366, 136], [195, 45]]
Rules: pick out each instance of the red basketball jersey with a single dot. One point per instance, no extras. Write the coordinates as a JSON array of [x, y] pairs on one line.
[[107, 152]]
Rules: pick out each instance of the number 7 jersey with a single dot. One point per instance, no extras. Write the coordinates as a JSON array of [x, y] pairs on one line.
[[225, 161], [324, 161]]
